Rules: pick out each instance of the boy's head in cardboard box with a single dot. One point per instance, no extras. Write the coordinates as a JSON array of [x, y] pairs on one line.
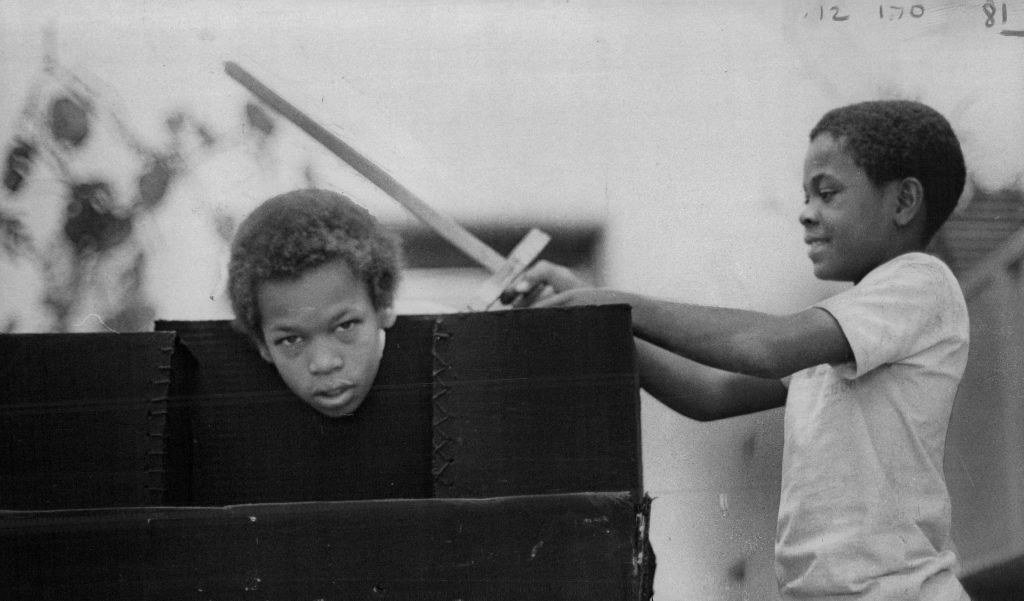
[[312, 280]]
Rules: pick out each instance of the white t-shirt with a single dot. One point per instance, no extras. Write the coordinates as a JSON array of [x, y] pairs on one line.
[[864, 512]]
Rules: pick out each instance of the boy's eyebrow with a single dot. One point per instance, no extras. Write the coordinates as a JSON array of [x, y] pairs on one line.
[[816, 180], [345, 314], [281, 324]]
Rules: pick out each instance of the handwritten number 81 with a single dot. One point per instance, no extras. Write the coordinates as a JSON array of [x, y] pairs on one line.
[[989, 8]]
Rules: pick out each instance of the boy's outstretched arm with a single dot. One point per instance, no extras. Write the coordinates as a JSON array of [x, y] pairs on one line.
[[700, 392], [707, 362], [746, 342]]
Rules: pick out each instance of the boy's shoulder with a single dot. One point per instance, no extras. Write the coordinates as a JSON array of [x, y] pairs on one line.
[[907, 306], [923, 268], [908, 289], [915, 279]]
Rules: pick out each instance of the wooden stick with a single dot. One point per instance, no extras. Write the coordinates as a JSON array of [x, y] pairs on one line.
[[528, 249], [445, 226]]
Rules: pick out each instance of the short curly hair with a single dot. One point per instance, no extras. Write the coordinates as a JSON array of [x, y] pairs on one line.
[[893, 139], [294, 232]]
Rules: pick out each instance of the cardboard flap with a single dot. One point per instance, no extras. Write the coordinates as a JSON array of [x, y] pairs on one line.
[[253, 441], [543, 401], [549, 547], [82, 419]]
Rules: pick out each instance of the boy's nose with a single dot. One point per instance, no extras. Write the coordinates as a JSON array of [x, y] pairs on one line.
[[325, 357], [808, 215]]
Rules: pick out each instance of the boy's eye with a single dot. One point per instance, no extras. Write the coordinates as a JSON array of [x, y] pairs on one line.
[[824, 195], [346, 325], [287, 341]]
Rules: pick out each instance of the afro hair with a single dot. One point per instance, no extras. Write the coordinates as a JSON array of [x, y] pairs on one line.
[[297, 231], [894, 139]]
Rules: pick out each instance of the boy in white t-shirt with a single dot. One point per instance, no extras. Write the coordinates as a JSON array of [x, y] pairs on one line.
[[867, 376]]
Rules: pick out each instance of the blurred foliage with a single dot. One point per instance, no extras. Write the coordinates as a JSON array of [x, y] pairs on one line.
[[19, 164], [95, 265], [14, 238]]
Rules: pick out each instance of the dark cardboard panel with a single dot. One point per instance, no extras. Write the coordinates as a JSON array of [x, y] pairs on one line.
[[536, 402], [252, 441], [465, 405], [1000, 581], [524, 402], [277, 450], [82, 419], [551, 547]]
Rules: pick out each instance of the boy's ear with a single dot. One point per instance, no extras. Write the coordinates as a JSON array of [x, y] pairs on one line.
[[909, 201], [387, 317], [264, 351]]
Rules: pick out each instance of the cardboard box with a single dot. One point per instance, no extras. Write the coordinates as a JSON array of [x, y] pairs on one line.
[[498, 456], [544, 547]]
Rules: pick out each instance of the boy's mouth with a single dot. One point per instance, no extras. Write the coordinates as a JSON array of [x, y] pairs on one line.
[[815, 244], [332, 392], [335, 401]]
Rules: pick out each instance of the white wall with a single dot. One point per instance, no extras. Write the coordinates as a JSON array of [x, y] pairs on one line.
[[681, 125]]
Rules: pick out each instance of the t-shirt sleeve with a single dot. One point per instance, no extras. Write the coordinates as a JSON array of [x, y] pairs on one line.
[[893, 313]]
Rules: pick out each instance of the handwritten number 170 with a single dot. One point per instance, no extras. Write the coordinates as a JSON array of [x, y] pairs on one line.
[[896, 12]]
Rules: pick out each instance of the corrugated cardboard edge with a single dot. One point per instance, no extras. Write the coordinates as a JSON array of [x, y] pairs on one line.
[[441, 457], [644, 561], [157, 399]]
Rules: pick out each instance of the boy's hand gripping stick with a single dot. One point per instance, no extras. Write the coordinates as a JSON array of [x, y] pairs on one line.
[[503, 269]]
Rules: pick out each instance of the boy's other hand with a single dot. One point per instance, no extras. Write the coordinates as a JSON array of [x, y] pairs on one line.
[[582, 296], [540, 282]]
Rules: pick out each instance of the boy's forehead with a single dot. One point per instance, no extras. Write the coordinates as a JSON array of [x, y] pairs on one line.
[[826, 151], [336, 267], [333, 280]]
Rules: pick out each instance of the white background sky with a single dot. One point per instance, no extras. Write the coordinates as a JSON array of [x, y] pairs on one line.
[[530, 112]]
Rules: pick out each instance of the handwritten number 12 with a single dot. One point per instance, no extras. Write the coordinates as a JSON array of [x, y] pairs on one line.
[[836, 16]]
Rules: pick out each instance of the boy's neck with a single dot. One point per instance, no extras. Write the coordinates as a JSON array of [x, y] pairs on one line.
[[909, 240], [896, 250]]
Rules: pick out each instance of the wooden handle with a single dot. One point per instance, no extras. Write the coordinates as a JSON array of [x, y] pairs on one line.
[[445, 226]]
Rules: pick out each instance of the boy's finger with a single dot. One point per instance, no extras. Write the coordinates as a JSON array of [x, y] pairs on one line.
[[510, 295], [552, 300], [539, 291], [523, 286]]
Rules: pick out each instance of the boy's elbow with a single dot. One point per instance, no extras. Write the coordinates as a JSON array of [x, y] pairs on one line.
[[732, 395], [762, 359], [708, 402], [704, 416], [774, 369]]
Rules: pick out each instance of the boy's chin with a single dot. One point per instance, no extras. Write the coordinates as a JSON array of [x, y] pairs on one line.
[[831, 274], [827, 273], [334, 413]]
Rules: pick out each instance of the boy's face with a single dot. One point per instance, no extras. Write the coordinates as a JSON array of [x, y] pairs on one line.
[[322, 333], [847, 219]]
